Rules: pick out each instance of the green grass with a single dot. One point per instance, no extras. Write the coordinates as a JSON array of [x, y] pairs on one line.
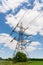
[[3, 62]]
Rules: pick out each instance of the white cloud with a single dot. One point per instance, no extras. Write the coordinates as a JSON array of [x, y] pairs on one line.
[[20, 14], [10, 4], [34, 20], [31, 19], [30, 48], [2, 9], [41, 32], [11, 20], [33, 46], [37, 5], [11, 45], [5, 38], [35, 25]]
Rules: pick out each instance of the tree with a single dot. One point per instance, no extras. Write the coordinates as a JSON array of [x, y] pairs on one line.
[[20, 57], [0, 58]]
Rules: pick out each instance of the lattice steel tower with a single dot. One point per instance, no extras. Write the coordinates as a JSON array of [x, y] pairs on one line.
[[21, 43]]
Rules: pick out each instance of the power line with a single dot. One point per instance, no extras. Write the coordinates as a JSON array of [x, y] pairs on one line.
[[35, 18], [19, 45], [19, 22]]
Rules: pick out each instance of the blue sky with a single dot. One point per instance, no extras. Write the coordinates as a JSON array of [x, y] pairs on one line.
[[9, 17]]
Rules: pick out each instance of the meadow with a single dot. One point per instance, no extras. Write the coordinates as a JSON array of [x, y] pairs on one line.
[[6, 62]]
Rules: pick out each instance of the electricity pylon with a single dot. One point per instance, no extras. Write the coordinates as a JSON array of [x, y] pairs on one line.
[[21, 42]]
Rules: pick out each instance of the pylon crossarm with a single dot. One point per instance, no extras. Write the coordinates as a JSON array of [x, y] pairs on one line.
[[23, 41], [25, 29], [28, 35]]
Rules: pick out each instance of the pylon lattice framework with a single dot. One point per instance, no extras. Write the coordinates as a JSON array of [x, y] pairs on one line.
[[21, 44]]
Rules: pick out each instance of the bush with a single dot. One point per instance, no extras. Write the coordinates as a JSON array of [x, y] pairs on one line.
[[20, 57]]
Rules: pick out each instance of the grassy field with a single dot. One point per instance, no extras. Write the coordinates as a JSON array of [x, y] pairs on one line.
[[3, 62]]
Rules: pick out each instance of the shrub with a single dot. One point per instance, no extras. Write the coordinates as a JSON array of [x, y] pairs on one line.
[[20, 57]]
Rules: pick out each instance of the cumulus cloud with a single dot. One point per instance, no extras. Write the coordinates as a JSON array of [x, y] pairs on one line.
[[41, 32], [33, 46], [13, 4], [31, 19], [5, 38], [38, 5], [11, 20], [10, 4]]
